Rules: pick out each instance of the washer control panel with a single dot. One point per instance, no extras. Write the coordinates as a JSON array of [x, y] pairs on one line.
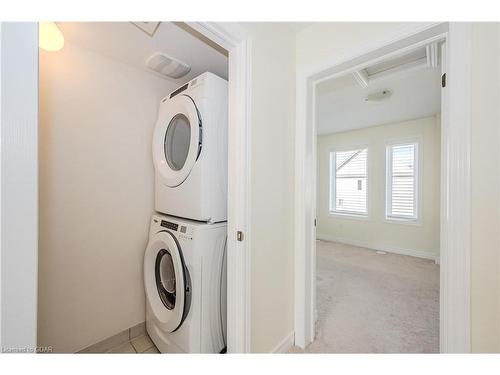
[[183, 231], [169, 225]]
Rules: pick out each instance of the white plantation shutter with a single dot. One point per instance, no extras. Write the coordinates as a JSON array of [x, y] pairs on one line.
[[348, 185], [402, 181]]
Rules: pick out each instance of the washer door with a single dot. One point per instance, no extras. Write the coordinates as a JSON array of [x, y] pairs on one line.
[[167, 282], [177, 140]]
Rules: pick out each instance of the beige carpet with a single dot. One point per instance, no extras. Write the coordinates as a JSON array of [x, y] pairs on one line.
[[373, 303]]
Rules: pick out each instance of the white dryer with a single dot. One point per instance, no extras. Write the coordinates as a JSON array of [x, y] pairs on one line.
[[185, 283], [190, 151]]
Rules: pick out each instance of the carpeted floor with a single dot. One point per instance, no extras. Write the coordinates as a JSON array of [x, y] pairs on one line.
[[374, 303]]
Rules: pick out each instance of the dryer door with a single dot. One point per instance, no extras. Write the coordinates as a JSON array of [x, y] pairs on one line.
[[167, 282], [177, 140]]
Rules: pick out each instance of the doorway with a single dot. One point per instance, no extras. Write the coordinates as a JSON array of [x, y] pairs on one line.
[[454, 234], [377, 207]]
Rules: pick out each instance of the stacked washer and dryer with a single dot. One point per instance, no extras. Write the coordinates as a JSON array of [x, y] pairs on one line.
[[185, 260]]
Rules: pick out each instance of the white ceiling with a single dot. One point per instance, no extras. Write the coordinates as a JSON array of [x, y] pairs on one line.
[[125, 42], [299, 26], [341, 102]]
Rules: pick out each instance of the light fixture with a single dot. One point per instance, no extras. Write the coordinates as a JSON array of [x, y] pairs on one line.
[[50, 38], [378, 96]]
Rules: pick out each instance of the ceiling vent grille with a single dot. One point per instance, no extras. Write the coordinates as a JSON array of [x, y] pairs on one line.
[[419, 58], [167, 66]]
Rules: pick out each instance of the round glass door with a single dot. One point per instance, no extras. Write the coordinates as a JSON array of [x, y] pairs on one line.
[[167, 281], [165, 278], [177, 141]]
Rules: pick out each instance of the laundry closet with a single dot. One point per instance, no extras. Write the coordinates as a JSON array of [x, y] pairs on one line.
[[132, 188]]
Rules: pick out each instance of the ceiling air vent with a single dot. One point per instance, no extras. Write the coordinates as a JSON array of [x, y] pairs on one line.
[[419, 58], [167, 66]]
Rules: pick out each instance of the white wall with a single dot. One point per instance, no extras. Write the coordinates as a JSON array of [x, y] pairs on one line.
[[336, 41], [18, 155], [272, 171], [485, 254], [374, 231], [96, 195]]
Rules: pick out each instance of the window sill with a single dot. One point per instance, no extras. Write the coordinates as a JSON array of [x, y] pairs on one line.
[[401, 221], [347, 215]]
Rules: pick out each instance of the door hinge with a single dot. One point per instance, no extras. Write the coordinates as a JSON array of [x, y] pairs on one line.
[[314, 222], [443, 80], [239, 235]]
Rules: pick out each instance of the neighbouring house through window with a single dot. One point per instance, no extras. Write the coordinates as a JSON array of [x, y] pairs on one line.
[[348, 182]]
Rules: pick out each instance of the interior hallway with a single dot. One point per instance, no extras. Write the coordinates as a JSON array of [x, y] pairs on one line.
[[374, 303]]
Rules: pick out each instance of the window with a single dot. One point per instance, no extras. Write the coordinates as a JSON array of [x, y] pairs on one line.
[[402, 182], [348, 182]]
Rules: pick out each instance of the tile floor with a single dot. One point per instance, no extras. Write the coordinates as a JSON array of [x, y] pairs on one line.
[[138, 345]]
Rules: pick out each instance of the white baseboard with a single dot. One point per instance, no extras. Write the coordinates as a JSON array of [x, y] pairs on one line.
[[388, 249], [285, 344]]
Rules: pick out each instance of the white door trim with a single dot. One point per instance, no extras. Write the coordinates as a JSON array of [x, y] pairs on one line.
[[237, 42], [455, 306], [19, 185], [455, 175]]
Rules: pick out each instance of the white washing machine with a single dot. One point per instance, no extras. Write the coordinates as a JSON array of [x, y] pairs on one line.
[[190, 151], [185, 282]]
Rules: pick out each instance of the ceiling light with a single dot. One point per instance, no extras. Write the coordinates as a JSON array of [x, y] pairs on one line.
[[378, 96], [50, 38]]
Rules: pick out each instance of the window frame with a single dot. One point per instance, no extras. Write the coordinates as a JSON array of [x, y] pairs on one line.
[[332, 188], [416, 219]]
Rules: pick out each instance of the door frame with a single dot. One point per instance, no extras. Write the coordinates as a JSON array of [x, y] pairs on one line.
[[235, 40], [455, 179], [18, 185]]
